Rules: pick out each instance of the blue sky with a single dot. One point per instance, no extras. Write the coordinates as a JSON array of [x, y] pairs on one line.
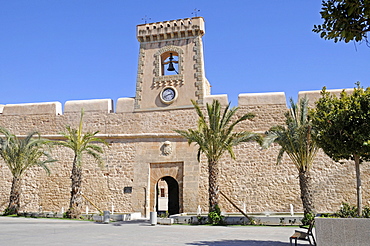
[[59, 50]]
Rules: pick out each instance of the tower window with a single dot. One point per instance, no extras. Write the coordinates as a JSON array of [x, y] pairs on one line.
[[170, 63]]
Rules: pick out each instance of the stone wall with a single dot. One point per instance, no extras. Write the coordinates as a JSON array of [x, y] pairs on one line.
[[136, 141]]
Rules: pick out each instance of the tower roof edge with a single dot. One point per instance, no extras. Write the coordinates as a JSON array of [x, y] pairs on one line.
[[168, 29]]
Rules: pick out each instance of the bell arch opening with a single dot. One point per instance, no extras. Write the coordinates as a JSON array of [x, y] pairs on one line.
[[169, 63]]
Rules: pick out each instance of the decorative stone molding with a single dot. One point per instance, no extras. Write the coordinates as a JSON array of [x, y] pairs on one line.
[[139, 77], [173, 29], [169, 80], [158, 54], [166, 148], [199, 71]]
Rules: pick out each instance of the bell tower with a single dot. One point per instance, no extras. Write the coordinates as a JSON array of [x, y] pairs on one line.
[[171, 65]]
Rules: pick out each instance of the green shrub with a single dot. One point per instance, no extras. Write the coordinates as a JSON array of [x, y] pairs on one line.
[[307, 219], [215, 217], [366, 212], [347, 211]]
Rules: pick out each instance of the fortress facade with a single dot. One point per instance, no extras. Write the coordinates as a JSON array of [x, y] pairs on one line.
[[144, 150]]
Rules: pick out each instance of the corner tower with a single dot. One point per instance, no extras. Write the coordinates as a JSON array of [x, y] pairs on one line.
[[171, 65]]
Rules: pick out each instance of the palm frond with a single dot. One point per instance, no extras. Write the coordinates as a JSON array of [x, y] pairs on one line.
[[214, 134], [294, 138], [22, 154], [82, 143]]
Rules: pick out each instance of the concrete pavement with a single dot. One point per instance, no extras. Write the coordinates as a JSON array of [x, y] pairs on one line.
[[31, 231]]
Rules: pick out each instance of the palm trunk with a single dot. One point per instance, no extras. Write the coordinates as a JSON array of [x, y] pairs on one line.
[[306, 194], [358, 185], [15, 194], [75, 203], [213, 185]]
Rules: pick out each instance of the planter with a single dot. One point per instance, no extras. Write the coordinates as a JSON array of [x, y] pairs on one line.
[[98, 218], [342, 231], [165, 221]]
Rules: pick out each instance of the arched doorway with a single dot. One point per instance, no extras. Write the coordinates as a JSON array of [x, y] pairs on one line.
[[167, 198], [172, 175]]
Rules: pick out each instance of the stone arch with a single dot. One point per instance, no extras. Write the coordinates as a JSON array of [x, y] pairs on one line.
[[169, 170], [173, 201], [167, 49]]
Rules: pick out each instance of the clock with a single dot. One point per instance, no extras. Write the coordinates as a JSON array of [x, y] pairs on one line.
[[168, 95]]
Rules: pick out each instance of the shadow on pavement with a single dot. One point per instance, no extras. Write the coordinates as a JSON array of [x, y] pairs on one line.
[[240, 242], [139, 222]]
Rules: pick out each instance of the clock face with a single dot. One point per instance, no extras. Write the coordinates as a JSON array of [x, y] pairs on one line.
[[168, 94]]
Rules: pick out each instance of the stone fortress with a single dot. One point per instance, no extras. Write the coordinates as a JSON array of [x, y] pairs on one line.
[[144, 149]]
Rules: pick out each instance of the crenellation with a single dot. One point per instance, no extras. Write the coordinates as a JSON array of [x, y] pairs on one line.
[[268, 98], [313, 96], [93, 105], [181, 28], [221, 98], [45, 108], [125, 105]]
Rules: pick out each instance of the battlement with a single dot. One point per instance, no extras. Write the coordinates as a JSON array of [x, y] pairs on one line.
[[47, 108], [173, 29], [270, 98], [126, 105], [313, 96]]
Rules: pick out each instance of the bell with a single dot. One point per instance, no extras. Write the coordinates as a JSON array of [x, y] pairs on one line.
[[170, 67], [170, 64]]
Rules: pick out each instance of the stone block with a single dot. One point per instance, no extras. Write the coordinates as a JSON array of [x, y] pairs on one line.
[[165, 221], [125, 105], [221, 98], [313, 96], [47, 108], [1, 108], [269, 98], [135, 215], [94, 105], [342, 231], [98, 218]]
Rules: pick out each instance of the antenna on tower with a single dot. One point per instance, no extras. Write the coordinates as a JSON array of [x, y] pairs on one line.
[[195, 13], [146, 19]]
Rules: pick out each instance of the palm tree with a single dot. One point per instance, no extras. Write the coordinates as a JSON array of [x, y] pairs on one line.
[[214, 137], [20, 154], [80, 143], [295, 139]]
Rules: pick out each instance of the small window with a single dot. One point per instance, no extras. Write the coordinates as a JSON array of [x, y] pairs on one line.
[[127, 190], [163, 193]]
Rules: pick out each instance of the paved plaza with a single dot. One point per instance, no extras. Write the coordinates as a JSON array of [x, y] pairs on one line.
[[32, 231]]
